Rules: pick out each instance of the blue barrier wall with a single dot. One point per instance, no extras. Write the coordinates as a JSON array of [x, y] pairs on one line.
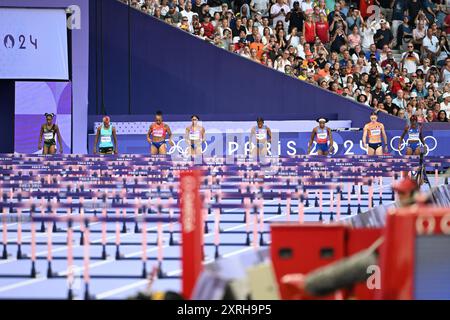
[[7, 118], [170, 70]]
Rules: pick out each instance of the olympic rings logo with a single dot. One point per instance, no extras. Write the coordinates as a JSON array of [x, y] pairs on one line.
[[184, 149], [403, 144]]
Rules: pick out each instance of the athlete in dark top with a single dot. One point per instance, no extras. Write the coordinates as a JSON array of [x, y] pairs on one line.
[[49, 131]]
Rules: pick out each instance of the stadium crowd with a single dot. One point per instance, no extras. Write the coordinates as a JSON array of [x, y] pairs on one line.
[[392, 55]]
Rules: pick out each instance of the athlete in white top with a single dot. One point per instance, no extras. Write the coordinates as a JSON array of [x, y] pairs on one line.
[[195, 136]]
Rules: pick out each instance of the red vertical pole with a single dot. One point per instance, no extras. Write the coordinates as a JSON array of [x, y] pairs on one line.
[[192, 229]]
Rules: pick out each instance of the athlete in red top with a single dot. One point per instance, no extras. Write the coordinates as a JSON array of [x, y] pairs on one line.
[[156, 135]]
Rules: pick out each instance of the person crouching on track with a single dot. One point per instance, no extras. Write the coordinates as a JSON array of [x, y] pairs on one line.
[[49, 131], [323, 135], [375, 130], [106, 133], [157, 134]]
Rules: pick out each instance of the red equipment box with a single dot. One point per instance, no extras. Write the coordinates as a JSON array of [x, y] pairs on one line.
[[358, 240], [415, 258], [302, 248]]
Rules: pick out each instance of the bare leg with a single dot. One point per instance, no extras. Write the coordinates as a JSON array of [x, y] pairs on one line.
[[263, 151], [52, 149], [370, 151], [198, 150], [153, 150], [417, 151], [163, 149], [379, 151], [408, 151], [254, 151], [45, 149]]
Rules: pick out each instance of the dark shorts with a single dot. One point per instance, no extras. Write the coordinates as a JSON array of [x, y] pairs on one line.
[[375, 146], [158, 144], [323, 147], [49, 143], [106, 150]]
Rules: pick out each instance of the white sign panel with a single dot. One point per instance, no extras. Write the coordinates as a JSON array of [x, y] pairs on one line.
[[33, 44]]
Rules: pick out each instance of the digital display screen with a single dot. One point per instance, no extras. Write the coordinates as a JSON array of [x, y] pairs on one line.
[[33, 44], [33, 100], [432, 268]]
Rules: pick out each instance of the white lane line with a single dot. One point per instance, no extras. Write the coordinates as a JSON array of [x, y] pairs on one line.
[[134, 285], [113, 292], [57, 234], [125, 288], [21, 284], [28, 282]]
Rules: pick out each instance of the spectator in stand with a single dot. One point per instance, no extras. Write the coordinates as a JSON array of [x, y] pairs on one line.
[[445, 104], [279, 12], [323, 8], [293, 39], [442, 116], [383, 36], [214, 5], [197, 7], [157, 14], [400, 101], [398, 13], [188, 13], [322, 29], [410, 59], [295, 17], [261, 6], [445, 73], [389, 105], [252, 36], [367, 34], [389, 60], [354, 19], [238, 27], [418, 34], [431, 48], [185, 25], [208, 27], [354, 39], [404, 34], [384, 53], [386, 8], [339, 53], [373, 51], [420, 90], [430, 116], [446, 23], [338, 40], [364, 6], [257, 45], [309, 29], [444, 50]]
